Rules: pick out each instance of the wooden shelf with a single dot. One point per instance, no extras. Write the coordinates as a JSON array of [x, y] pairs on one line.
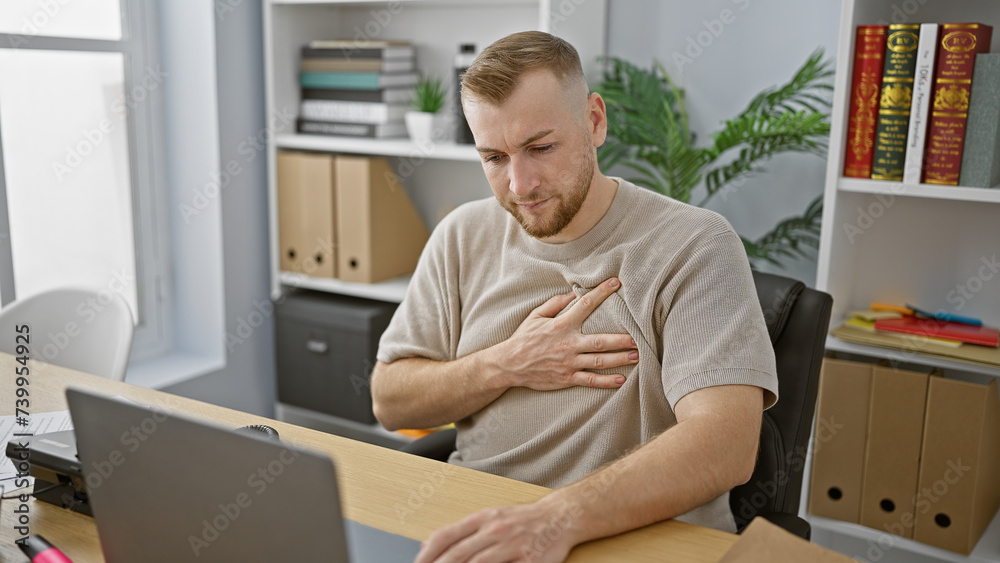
[[390, 290], [955, 193], [383, 147]]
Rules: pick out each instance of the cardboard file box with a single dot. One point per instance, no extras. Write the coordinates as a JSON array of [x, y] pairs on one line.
[[306, 216], [839, 440], [379, 232], [892, 455], [326, 347], [958, 491]]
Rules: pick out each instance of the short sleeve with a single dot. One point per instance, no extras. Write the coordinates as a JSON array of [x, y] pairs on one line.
[[426, 323], [714, 331]]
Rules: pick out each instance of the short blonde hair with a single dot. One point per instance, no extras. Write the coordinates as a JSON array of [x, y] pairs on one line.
[[494, 74]]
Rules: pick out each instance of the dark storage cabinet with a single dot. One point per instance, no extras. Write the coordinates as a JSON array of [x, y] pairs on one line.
[[326, 346]]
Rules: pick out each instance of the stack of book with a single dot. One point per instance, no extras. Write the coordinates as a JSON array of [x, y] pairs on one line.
[[356, 88], [923, 105], [916, 330]]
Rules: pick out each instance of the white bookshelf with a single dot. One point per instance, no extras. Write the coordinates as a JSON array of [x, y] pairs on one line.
[[917, 244], [439, 176], [930, 191], [837, 345], [436, 176], [447, 150], [389, 290]]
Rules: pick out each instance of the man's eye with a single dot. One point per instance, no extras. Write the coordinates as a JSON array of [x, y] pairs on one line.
[[493, 159], [543, 148]]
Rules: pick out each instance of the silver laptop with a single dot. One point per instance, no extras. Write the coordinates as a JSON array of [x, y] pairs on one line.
[[165, 487]]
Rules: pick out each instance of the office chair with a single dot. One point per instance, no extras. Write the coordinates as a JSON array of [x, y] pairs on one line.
[[797, 321], [100, 343]]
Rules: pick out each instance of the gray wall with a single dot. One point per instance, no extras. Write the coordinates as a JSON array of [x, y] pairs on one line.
[[247, 382], [764, 42]]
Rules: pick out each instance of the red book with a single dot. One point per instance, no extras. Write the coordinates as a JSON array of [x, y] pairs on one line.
[[942, 329], [960, 42], [869, 55]]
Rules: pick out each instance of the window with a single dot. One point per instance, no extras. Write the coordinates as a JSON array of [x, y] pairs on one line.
[[79, 98]]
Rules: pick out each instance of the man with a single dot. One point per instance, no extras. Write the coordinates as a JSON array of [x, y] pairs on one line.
[[585, 334]]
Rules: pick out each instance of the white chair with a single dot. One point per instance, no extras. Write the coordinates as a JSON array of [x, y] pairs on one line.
[[74, 328]]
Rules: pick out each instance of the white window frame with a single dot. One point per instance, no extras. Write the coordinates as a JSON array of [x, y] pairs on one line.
[[142, 78]]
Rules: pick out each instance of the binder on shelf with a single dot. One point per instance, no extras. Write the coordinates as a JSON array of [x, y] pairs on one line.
[[959, 484], [380, 233], [383, 96], [356, 49], [981, 152], [306, 215], [357, 80], [960, 42], [895, 102], [351, 112], [339, 128], [869, 55], [839, 440], [923, 82], [892, 453], [341, 64]]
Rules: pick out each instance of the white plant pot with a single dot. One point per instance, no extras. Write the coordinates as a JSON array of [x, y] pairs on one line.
[[422, 126]]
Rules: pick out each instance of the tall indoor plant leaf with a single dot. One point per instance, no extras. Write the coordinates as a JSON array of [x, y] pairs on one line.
[[648, 134]]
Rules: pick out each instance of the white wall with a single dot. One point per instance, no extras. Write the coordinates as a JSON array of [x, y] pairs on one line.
[[247, 381], [766, 41]]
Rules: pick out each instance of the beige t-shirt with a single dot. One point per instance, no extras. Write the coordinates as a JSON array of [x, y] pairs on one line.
[[687, 298]]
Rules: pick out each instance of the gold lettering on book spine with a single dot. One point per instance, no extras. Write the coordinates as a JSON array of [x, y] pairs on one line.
[[959, 42], [902, 41]]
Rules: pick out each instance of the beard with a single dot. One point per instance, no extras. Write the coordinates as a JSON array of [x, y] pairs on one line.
[[568, 201]]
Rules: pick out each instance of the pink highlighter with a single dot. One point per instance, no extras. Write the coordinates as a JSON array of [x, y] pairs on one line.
[[41, 551]]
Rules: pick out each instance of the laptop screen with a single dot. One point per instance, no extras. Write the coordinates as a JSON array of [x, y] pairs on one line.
[[166, 487]]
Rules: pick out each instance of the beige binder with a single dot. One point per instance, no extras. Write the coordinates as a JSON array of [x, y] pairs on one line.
[[892, 456], [839, 440], [959, 485], [380, 233], [306, 214]]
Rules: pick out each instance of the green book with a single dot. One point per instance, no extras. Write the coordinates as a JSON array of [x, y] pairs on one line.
[[981, 155], [357, 80], [894, 102]]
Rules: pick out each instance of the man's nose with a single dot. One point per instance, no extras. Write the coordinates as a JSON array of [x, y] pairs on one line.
[[523, 177]]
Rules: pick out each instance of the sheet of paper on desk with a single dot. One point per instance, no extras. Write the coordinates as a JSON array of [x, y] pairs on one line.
[[38, 423]]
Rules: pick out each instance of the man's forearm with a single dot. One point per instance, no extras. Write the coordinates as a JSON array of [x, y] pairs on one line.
[[422, 393], [680, 470]]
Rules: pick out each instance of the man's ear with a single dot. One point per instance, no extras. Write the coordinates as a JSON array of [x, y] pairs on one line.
[[597, 118]]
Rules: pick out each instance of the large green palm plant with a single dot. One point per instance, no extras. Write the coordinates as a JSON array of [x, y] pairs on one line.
[[648, 133]]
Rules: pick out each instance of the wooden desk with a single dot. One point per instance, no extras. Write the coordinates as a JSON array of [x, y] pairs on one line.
[[382, 488]]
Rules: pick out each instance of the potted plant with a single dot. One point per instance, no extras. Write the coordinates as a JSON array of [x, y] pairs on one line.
[[428, 99], [648, 133]]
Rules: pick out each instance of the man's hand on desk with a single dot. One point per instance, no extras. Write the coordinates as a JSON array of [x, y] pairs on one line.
[[548, 352], [541, 533]]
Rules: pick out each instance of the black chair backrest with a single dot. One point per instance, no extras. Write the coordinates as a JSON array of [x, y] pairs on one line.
[[797, 321]]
